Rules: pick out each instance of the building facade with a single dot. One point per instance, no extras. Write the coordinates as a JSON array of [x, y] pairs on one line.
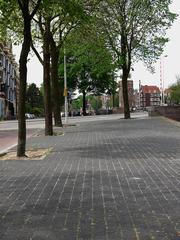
[[8, 82], [167, 97], [149, 96], [136, 98]]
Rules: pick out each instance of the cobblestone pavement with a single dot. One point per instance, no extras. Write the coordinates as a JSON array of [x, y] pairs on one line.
[[103, 180]]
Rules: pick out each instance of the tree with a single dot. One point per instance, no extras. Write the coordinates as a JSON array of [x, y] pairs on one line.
[[43, 25], [63, 17], [34, 99], [89, 61], [70, 15], [77, 103], [95, 102], [135, 30], [46, 78], [26, 9]]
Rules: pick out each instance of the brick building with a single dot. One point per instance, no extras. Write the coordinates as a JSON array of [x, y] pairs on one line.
[[136, 98], [149, 96], [8, 82]]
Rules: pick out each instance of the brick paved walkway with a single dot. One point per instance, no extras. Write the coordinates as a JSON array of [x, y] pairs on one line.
[[103, 180]]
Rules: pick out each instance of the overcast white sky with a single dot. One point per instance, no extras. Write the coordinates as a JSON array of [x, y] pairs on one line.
[[171, 62]]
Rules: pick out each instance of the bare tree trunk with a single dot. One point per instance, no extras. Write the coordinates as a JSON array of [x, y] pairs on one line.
[[125, 96], [27, 17], [113, 92], [125, 74], [21, 147], [55, 84], [46, 78], [84, 103], [113, 100]]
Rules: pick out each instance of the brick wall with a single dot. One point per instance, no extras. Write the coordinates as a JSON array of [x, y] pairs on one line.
[[172, 112]]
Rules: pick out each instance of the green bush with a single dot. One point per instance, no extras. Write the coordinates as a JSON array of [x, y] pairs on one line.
[[38, 112]]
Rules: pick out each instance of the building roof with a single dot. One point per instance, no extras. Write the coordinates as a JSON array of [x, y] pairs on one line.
[[150, 89]]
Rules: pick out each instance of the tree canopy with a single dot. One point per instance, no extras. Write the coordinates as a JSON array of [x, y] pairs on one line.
[[34, 99], [90, 63], [135, 31]]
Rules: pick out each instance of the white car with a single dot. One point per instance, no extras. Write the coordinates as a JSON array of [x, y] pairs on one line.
[[29, 115]]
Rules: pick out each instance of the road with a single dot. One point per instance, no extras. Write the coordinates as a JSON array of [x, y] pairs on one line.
[[39, 123], [8, 129]]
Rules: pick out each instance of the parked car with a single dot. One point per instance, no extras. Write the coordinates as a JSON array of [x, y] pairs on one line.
[[133, 109], [29, 115]]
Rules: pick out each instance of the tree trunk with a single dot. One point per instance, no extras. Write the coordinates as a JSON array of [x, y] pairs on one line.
[[55, 84], [125, 95], [125, 74], [46, 80], [84, 103], [113, 93], [113, 100], [21, 147]]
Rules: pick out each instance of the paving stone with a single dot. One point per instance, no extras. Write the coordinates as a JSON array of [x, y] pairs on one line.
[[116, 179]]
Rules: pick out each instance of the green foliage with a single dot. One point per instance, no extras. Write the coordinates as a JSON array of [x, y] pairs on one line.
[[34, 100], [41, 89], [77, 103], [37, 111], [8, 10], [11, 21], [140, 24], [89, 62], [95, 102], [110, 101], [63, 15], [175, 91]]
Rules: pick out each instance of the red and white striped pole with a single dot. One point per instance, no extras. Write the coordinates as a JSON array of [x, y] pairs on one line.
[[162, 78]]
